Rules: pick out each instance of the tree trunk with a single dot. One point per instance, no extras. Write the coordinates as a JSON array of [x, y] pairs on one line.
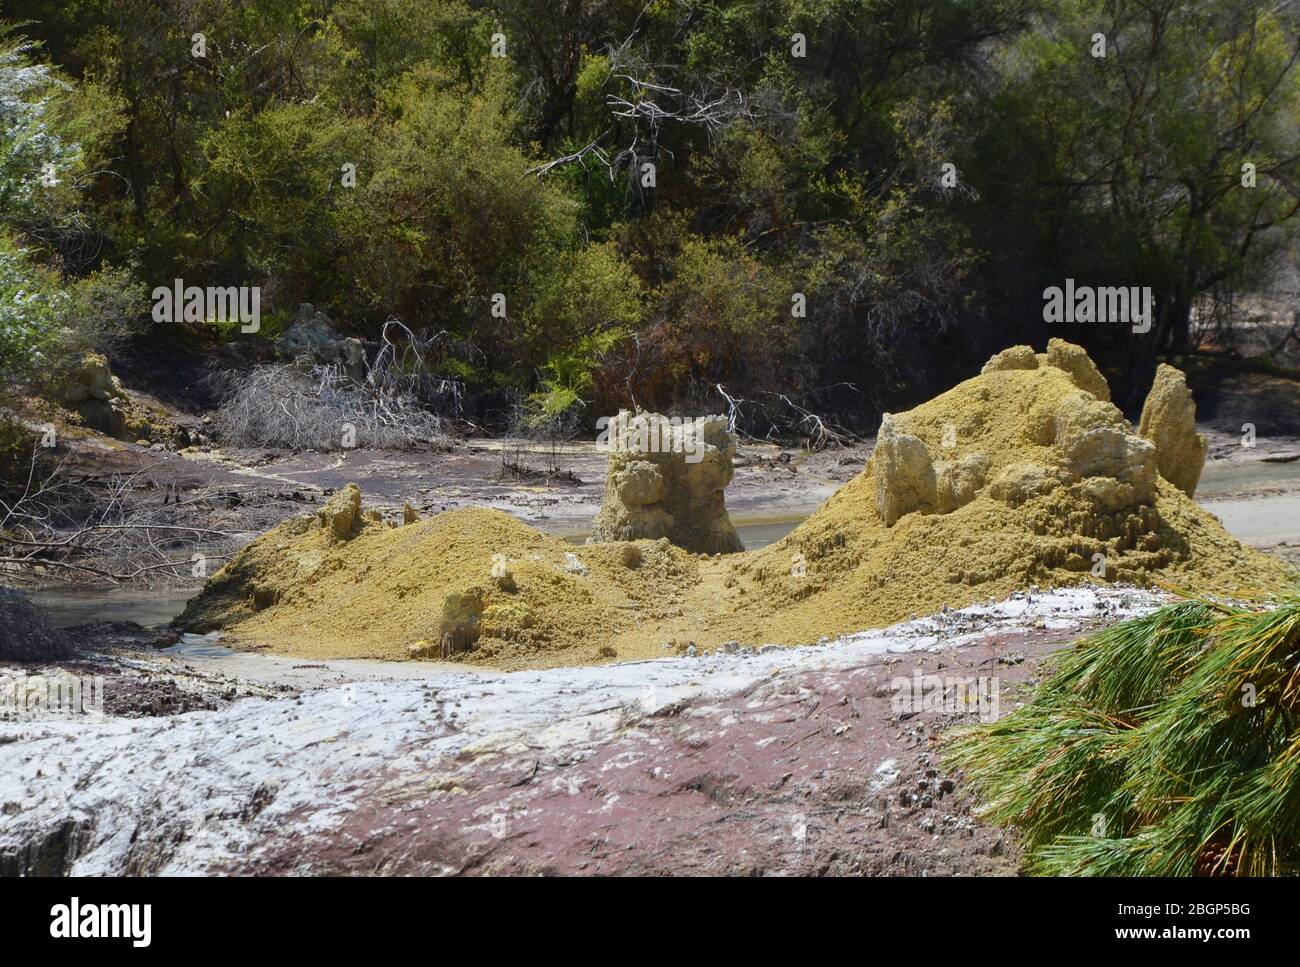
[[1180, 326]]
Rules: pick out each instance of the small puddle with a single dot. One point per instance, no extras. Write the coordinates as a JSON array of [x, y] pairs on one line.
[[68, 607], [1221, 475], [199, 646], [1264, 519], [1259, 520], [760, 533]]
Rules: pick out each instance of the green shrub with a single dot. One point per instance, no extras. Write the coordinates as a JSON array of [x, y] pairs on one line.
[[31, 307], [1164, 746]]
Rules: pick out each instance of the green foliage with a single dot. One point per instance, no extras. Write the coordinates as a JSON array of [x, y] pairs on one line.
[[47, 322], [277, 177], [48, 131], [478, 175], [31, 306], [369, 45], [716, 314], [447, 219], [578, 314], [32, 152], [1164, 746], [103, 309], [1140, 152]]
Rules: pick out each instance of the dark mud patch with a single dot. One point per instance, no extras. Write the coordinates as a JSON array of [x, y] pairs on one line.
[[131, 693], [116, 636], [131, 688], [1230, 393], [127, 696]]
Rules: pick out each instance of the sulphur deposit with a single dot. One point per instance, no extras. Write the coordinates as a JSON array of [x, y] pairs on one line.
[[1026, 474], [467, 583]]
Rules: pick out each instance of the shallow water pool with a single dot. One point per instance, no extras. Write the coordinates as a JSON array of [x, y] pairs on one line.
[[1220, 476], [68, 607]]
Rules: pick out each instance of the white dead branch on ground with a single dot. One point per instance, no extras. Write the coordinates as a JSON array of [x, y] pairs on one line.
[[819, 434], [323, 407]]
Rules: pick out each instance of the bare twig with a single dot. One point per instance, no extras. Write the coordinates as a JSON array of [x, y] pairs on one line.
[[324, 407], [104, 527]]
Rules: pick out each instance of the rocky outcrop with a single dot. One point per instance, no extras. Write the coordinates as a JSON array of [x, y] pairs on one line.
[[1066, 356], [957, 482], [667, 478], [1169, 421], [97, 396], [1075, 363], [1014, 357], [1095, 442], [908, 480], [311, 334], [904, 473], [461, 617], [1076, 437], [314, 339], [341, 514]]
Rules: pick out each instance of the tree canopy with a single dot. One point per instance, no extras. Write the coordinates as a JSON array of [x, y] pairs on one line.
[[845, 203]]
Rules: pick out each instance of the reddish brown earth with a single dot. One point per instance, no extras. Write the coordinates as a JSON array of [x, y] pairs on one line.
[[783, 779]]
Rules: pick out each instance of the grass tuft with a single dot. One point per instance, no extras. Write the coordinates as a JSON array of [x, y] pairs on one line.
[[1165, 746]]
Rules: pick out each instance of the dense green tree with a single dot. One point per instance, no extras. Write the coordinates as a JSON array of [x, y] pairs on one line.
[[653, 187], [1129, 168]]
